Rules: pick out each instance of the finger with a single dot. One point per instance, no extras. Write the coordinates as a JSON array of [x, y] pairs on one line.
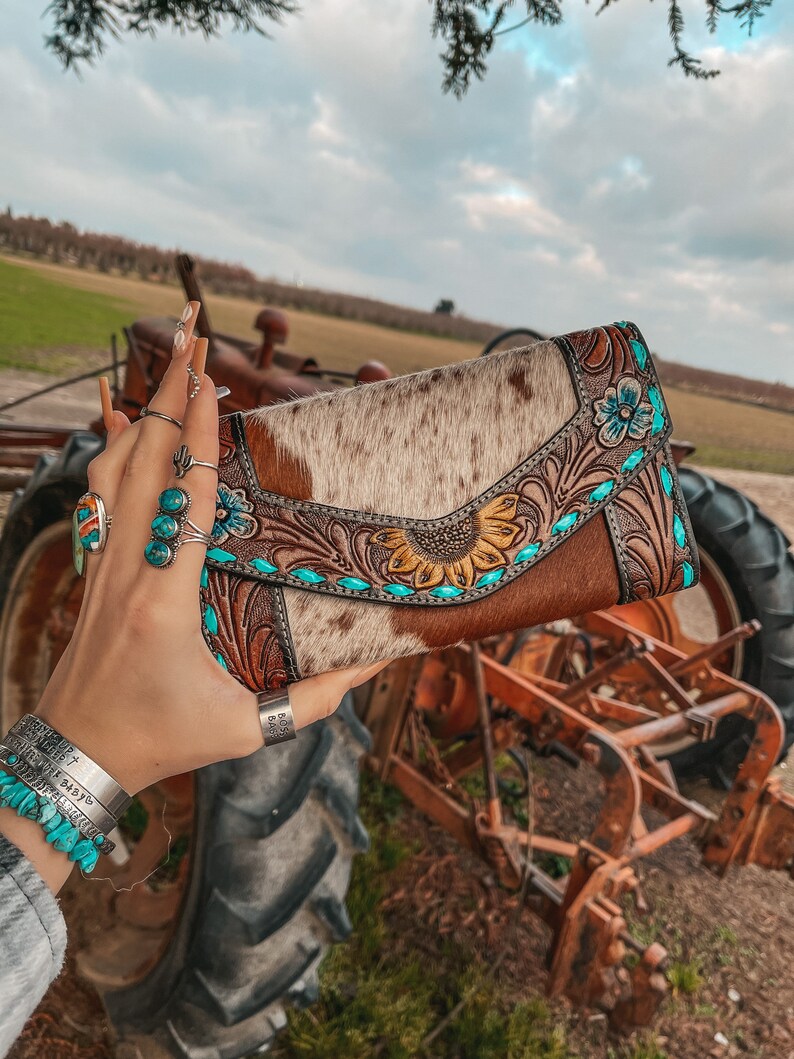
[[149, 459], [317, 697], [105, 469], [200, 441]]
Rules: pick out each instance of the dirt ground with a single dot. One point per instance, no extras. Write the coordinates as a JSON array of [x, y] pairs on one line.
[[738, 932]]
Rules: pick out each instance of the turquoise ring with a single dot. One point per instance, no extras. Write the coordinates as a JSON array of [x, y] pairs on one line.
[[171, 528], [90, 527]]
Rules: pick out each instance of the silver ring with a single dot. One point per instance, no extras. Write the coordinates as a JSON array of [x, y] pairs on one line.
[[183, 462], [275, 717], [171, 528], [160, 415], [90, 526]]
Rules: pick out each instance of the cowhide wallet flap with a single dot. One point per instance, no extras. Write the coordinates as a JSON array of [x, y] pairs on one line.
[[431, 509]]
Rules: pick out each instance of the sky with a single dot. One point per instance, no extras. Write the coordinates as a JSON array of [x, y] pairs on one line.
[[582, 182]]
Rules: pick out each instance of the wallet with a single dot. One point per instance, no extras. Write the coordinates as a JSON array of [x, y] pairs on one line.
[[431, 509]]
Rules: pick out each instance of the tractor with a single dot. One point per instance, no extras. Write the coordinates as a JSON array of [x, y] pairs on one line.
[[203, 960]]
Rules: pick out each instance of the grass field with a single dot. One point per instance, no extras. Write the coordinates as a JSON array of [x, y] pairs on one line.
[[52, 316], [45, 324]]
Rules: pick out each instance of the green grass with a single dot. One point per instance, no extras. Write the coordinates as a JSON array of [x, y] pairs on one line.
[[685, 976], [46, 326]]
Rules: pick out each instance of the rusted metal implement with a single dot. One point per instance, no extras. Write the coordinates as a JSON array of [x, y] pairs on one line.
[[598, 691]]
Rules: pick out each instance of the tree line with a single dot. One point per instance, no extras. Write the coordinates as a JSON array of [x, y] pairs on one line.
[[63, 243]]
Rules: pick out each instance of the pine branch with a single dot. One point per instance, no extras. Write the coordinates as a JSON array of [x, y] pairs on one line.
[[691, 66], [83, 27]]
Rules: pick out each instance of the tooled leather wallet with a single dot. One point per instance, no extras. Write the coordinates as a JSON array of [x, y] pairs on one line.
[[430, 509]]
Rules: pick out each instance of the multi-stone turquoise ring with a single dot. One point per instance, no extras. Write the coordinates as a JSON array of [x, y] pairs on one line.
[[171, 528], [90, 526]]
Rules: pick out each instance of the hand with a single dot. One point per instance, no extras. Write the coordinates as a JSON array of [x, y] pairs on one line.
[[137, 688]]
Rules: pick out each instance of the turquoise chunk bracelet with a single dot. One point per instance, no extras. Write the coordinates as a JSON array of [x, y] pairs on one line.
[[59, 831]]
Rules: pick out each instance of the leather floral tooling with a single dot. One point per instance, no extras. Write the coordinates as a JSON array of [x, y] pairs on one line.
[[611, 458]]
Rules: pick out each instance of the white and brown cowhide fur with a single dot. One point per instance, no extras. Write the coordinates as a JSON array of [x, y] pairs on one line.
[[417, 446]]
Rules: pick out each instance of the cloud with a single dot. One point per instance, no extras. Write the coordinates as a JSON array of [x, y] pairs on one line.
[[583, 181]]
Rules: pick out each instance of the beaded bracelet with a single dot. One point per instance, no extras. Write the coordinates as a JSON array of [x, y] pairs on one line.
[[60, 833]]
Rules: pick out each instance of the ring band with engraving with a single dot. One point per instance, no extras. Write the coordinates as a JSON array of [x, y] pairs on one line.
[[183, 462], [275, 717], [146, 411]]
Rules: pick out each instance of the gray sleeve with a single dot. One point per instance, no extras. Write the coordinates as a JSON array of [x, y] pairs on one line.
[[32, 941]]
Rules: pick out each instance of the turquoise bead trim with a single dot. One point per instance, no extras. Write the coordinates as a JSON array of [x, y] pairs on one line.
[[529, 552], [446, 592], [621, 323], [398, 590], [354, 583], [633, 460], [164, 527], [640, 353], [220, 555], [565, 522], [689, 574], [679, 532], [205, 577], [667, 480], [263, 566], [156, 553], [59, 832], [12, 759], [311, 577], [173, 500], [211, 619], [602, 491], [221, 661], [491, 577]]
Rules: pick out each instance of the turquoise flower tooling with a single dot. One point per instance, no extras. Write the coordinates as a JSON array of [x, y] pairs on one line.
[[621, 411], [233, 516]]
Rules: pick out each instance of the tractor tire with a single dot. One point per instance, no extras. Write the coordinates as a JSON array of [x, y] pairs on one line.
[[273, 834], [753, 555]]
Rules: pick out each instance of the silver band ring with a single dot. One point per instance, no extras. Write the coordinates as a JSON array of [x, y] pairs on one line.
[[183, 462], [193, 534], [160, 415], [275, 717]]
